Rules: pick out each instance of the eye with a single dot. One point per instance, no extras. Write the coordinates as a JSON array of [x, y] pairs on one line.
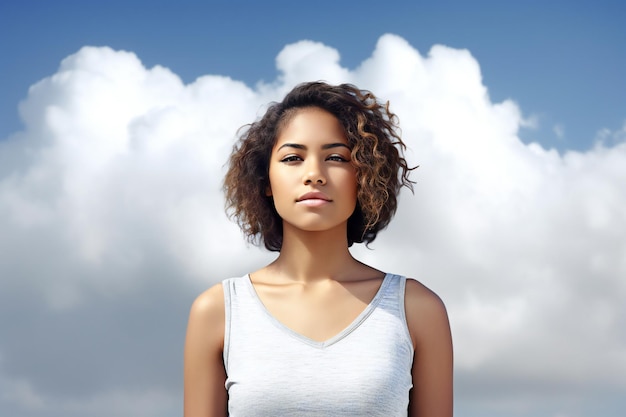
[[337, 158], [291, 158]]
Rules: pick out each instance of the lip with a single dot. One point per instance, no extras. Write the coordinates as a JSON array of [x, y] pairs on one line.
[[314, 196]]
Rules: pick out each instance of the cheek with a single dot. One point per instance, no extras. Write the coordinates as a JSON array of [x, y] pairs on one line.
[[275, 181]]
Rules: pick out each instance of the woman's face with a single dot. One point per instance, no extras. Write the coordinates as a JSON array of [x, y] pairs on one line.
[[312, 179]]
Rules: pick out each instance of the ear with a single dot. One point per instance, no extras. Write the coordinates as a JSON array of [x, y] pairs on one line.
[[268, 191]]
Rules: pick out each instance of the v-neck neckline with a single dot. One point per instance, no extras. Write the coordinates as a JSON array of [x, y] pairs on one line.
[[334, 339]]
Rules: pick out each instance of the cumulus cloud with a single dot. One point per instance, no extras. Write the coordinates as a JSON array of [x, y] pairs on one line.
[[112, 220]]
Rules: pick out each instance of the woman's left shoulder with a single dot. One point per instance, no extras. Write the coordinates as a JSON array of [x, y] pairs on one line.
[[418, 295], [425, 311]]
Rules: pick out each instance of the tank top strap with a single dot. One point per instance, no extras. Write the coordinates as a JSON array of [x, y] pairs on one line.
[[236, 296]]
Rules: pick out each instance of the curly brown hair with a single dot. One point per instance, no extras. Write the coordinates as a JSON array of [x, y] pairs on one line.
[[377, 155]]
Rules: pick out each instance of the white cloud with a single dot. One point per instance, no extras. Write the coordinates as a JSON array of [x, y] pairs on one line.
[[307, 60], [607, 136], [110, 210], [530, 122]]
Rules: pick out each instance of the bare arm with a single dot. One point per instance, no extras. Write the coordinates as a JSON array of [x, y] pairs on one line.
[[205, 395], [427, 318]]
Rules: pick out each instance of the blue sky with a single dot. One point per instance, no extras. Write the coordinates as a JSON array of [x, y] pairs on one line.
[[111, 217], [561, 61]]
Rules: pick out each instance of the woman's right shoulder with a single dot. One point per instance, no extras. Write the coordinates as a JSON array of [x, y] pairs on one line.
[[204, 373], [209, 305]]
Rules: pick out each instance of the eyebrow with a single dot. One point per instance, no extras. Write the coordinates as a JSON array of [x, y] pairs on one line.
[[303, 147]]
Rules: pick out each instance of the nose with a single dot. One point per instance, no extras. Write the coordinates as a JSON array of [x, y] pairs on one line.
[[314, 175]]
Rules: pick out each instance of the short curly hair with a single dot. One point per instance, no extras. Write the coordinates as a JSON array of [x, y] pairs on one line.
[[376, 152]]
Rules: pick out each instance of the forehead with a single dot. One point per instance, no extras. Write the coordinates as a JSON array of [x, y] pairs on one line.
[[310, 124]]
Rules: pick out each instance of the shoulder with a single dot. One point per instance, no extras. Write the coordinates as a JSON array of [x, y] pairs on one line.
[[432, 369], [206, 317], [425, 312], [209, 304], [204, 373], [418, 296]]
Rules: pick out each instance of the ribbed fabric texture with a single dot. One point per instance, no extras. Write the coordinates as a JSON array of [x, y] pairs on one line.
[[273, 371]]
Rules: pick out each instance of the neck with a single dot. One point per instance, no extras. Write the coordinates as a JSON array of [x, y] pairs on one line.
[[313, 256]]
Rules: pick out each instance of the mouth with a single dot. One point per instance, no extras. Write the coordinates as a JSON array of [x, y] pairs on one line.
[[314, 197]]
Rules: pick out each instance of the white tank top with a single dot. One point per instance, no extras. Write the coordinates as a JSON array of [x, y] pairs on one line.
[[273, 371]]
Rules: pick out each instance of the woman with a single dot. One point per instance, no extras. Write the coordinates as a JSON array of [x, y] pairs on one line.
[[316, 332]]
